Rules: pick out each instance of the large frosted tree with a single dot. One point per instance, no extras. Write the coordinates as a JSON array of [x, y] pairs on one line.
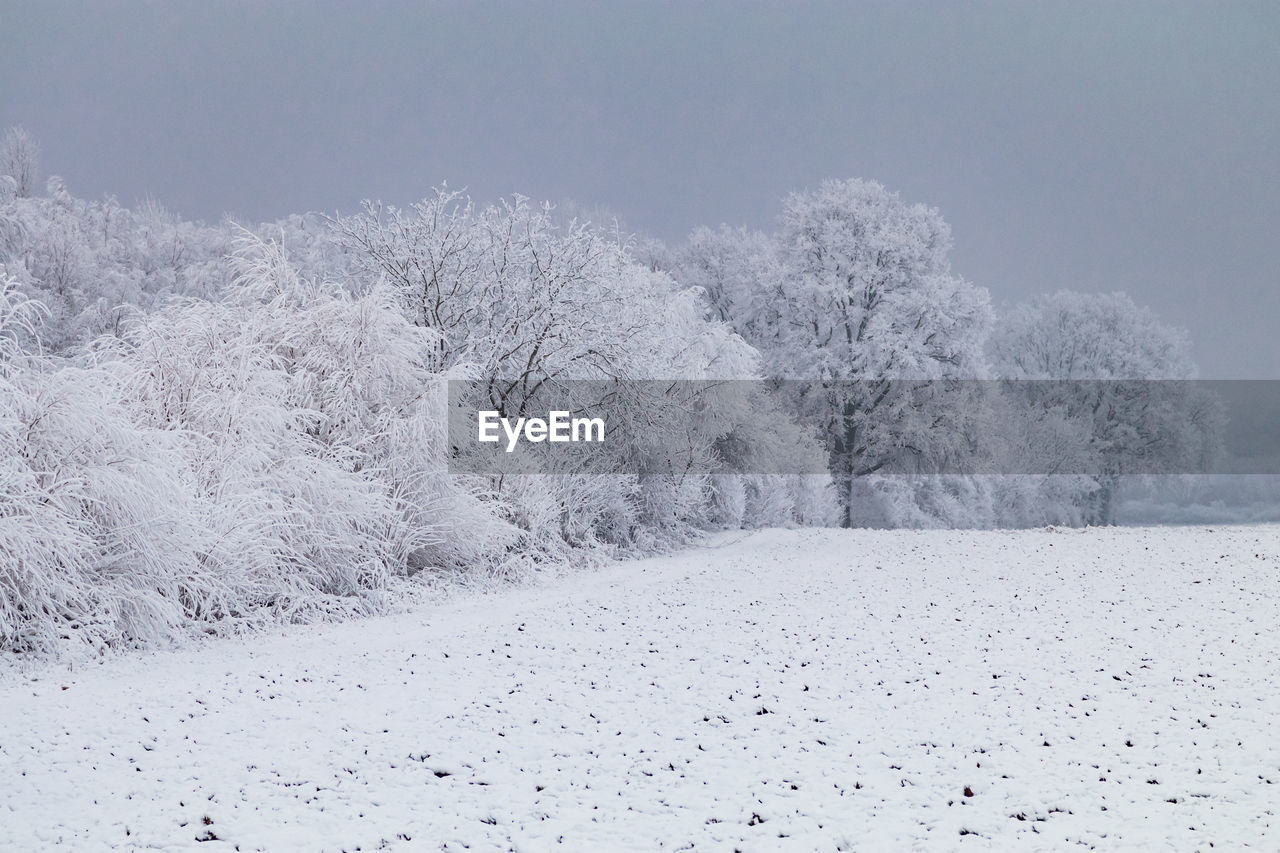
[[856, 291]]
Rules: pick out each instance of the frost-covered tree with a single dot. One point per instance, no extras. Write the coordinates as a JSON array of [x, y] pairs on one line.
[[854, 292], [507, 290], [20, 161], [869, 292], [89, 262], [528, 300], [1070, 335], [1100, 360], [738, 272]]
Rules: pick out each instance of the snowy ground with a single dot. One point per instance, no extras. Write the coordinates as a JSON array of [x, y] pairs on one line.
[[797, 690]]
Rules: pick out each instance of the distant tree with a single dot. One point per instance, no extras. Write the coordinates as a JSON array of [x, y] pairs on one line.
[[1071, 335], [738, 271], [1095, 342], [20, 160], [87, 262]]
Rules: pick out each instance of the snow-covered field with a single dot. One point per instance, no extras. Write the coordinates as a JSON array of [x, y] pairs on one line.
[[787, 690]]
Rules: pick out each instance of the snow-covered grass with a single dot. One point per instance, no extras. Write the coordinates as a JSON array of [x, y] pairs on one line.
[[1044, 689]]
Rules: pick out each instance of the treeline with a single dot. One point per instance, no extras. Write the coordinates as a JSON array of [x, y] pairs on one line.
[[855, 290], [206, 427]]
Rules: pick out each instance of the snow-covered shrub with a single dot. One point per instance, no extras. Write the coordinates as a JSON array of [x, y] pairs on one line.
[[276, 454], [42, 549], [316, 430], [780, 474], [1036, 500], [99, 541], [920, 501]]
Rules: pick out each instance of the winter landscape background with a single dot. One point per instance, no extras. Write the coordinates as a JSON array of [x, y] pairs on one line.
[[869, 559], [209, 426]]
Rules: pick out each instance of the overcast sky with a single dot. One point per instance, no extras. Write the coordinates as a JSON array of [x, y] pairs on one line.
[[1111, 146]]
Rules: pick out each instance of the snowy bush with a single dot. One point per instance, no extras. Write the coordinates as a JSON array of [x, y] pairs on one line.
[[277, 454], [99, 541]]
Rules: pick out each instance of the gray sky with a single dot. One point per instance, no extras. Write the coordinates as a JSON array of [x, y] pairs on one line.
[[1094, 146]]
